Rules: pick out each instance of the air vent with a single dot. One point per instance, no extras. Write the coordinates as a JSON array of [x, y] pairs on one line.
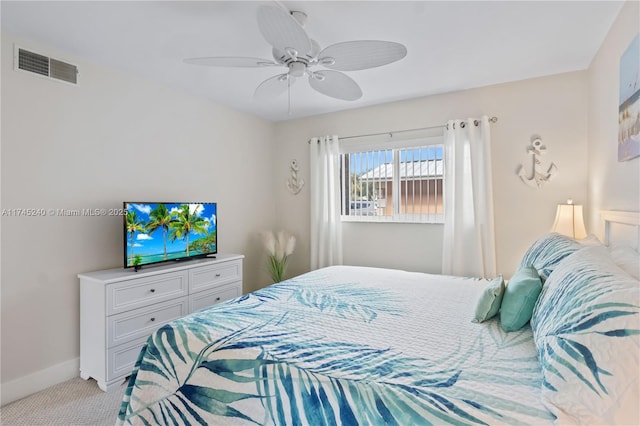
[[43, 65]]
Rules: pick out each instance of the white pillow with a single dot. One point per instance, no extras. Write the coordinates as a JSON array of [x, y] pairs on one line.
[[590, 240], [626, 258], [586, 327]]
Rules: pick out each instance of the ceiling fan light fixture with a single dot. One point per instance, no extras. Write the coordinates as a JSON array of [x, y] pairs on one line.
[[297, 69]]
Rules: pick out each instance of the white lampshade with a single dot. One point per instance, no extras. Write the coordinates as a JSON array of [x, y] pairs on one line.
[[569, 221]]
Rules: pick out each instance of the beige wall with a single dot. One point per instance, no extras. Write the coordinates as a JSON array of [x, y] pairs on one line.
[[553, 107], [613, 185], [110, 138]]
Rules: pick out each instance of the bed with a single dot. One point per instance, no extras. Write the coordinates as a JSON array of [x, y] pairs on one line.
[[371, 346]]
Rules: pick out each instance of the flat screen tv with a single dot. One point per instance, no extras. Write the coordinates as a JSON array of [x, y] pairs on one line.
[[164, 232]]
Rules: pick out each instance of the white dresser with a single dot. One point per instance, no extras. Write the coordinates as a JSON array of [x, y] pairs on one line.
[[119, 308]]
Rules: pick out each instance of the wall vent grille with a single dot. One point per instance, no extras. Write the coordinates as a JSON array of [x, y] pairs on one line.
[[43, 65]]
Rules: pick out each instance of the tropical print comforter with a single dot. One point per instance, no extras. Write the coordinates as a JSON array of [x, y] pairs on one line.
[[340, 345]]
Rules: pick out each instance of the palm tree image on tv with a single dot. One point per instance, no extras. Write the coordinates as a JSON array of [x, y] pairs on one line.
[[158, 232], [185, 223], [160, 218], [133, 225]]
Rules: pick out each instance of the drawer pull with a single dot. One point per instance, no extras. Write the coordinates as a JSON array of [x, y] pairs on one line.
[[218, 299], [153, 290], [218, 275], [153, 319]]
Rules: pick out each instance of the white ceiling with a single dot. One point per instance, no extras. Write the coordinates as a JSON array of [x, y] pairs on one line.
[[452, 45]]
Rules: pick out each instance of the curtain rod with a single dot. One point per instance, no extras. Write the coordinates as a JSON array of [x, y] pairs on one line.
[[475, 122]]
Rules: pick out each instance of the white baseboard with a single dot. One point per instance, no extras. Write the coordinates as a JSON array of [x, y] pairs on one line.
[[34, 382]]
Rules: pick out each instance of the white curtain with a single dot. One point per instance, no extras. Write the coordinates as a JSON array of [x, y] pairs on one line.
[[326, 227], [469, 235]]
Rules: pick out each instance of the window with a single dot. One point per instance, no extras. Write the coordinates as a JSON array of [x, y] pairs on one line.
[[400, 183]]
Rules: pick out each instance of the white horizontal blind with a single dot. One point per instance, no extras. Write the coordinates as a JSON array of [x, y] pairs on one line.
[[394, 185]]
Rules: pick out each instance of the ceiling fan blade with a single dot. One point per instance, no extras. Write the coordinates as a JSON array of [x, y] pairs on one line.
[[282, 31], [361, 54], [231, 61], [336, 85], [273, 86]]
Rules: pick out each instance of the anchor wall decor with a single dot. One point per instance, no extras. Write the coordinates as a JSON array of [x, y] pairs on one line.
[[294, 184], [540, 174]]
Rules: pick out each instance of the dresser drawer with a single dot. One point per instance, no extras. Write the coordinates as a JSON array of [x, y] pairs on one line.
[[122, 359], [142, 322], [133, 294], [211, 276], [207, 298]]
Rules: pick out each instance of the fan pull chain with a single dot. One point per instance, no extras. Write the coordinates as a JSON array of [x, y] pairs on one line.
[[289, 96]]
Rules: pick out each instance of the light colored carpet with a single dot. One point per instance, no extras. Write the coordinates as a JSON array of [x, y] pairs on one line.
[[74, 402]]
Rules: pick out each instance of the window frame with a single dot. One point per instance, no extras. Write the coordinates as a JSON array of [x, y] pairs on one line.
[[395, 145]]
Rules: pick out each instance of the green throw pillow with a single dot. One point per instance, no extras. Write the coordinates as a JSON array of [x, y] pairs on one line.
[[489, 302], [520, 298]]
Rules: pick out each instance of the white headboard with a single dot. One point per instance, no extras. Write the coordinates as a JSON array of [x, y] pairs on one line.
[[618, 227]]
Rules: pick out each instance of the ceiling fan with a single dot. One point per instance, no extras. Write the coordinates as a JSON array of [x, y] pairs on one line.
[[293, 49]]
